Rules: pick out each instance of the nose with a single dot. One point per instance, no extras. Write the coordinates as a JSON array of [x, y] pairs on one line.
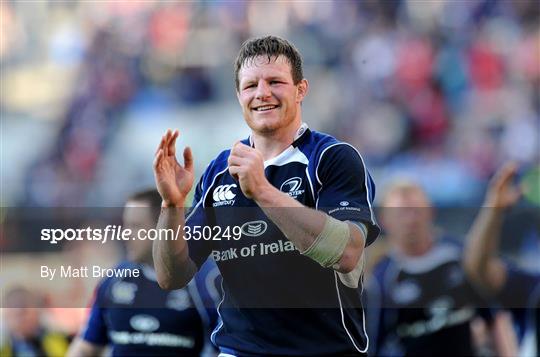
[[263, 90]]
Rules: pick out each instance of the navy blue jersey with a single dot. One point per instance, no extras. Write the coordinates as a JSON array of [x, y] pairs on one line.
[[422, 305], [522, 292], [277, 301], [136, 317]]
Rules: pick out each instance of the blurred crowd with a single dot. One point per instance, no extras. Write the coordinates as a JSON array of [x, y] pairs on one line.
[[442, 92]]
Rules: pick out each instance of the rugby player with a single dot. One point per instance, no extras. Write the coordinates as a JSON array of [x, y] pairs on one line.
[[425, 303], [303, 202], [134, 316], [515, 288]]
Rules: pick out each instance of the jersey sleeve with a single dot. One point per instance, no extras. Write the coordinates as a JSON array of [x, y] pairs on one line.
[[520, 286], [346, 189], [195, 219], [95, 330]]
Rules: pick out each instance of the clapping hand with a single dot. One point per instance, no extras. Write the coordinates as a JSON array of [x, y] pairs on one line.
[[173, 180]]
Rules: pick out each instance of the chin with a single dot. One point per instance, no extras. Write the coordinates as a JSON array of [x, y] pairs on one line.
[[267, 129], [263, 125], [269, 125]]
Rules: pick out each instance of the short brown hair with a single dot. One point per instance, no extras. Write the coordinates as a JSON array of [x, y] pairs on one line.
[[151, 197], [272, 47]]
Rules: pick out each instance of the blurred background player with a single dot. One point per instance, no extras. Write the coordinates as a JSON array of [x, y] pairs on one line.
[[26, 334], [513, 287], [134, 316], [426, 305]]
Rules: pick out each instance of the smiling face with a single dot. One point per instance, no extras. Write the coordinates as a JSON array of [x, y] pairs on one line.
[[269, 98]]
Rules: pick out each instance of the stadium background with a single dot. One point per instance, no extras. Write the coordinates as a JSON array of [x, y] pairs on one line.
[[442, 92]]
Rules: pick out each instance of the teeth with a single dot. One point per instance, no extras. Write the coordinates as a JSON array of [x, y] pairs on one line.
[[266, 107]]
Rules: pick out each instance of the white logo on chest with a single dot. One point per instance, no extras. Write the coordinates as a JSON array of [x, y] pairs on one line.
[[223, 195], [144, 323], [406, 292], [292, 187], [178, 300], [123, 292]]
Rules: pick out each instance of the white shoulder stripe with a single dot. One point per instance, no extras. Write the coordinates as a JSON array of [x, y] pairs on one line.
[[203, 198], [220, 323], [213, 182], [310, 183], [193, 210]]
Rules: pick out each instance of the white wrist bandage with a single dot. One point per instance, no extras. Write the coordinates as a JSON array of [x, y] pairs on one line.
[[330, 243]]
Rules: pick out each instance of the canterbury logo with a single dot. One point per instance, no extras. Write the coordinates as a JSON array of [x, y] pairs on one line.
[[254, 228], [224, 193]]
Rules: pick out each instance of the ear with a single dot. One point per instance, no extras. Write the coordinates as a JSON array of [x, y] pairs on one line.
[[302, 88], [238, 97]]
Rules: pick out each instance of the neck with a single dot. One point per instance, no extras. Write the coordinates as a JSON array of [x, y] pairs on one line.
[[271, 144]]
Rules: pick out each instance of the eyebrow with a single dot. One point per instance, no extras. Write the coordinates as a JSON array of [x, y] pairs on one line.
[[273, 78]]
